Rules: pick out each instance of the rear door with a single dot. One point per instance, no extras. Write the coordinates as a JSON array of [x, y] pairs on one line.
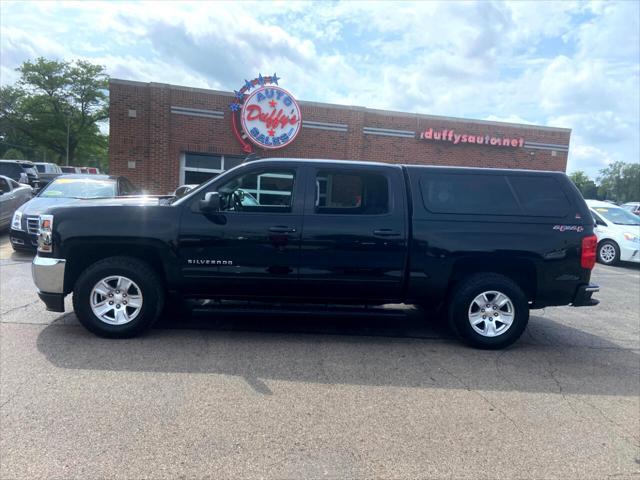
[[354, 240], [22, 193]]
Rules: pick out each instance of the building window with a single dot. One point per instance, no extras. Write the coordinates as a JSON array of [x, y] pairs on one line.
[[196, 168]]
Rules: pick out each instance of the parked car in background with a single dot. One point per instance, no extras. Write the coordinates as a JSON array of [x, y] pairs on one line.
[[618, 232], [47, 172], [64, 189], [67, 169], [90, 170], [12, 195], [44, 167], [21, 171], [633, 207]]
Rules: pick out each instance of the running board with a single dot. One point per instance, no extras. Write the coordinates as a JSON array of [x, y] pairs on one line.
[[291, 310]]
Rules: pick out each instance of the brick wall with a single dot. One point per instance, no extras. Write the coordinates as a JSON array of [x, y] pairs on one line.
[[143, 130]]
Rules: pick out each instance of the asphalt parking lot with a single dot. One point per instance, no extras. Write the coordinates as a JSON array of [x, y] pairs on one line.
[[393, 396]]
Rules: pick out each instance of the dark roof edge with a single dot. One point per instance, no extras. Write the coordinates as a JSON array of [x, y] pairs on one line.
[[349, 107]]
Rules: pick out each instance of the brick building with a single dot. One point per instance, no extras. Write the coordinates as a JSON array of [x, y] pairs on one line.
[[163, 135]]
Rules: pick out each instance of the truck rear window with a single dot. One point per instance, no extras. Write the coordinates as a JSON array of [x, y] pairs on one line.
[[468, 194], [540, 196], [479, 194]]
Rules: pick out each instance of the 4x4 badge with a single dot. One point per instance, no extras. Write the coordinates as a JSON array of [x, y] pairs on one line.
[[569, 228]]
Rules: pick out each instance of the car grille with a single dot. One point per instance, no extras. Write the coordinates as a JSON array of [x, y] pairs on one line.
[[32, 225]]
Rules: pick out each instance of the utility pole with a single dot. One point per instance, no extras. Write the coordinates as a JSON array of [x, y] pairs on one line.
[[68, 122]]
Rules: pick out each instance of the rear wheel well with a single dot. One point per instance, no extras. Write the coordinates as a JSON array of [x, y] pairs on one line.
[[87, 254], [610, 240], [521, 271]]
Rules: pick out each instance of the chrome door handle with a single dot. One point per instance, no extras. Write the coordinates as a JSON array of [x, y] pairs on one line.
[[282, 229], [385, 232]]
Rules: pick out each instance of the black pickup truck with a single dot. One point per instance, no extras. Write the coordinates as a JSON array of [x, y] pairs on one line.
[[486, 245]]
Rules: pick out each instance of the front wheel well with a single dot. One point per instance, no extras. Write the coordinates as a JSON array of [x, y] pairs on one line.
[[87, 254]]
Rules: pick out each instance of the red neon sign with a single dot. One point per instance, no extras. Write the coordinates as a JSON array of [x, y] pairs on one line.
[[446, 135]]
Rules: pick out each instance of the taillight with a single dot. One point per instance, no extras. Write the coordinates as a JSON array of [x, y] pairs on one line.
[[588, 257]]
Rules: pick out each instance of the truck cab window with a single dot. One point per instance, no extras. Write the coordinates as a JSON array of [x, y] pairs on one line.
[[265, 191], [339, 192]]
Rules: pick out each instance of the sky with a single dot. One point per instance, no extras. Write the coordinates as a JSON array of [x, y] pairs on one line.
[[562, 63]]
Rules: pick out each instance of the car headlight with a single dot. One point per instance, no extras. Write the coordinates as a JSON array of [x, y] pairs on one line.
[[45, 233], [16, 221], [630, 237]]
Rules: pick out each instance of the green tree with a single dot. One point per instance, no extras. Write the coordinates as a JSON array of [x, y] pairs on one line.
[[13, 154], [55, 107], [620, 182], [587, 187]]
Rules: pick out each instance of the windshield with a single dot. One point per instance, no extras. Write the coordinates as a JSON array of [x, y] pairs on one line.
[[40, 168], [617, 215], [79, 188]]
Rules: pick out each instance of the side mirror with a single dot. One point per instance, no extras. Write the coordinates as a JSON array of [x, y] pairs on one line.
[[211, 202]]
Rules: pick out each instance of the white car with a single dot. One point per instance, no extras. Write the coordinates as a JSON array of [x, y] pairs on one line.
[[618, 232]]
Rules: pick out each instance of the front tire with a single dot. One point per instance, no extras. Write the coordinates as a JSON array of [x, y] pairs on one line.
[[488, 311], [118, 297], [608, 252]]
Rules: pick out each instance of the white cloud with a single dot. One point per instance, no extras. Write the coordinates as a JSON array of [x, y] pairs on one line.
[[569, 64], [588, 158]]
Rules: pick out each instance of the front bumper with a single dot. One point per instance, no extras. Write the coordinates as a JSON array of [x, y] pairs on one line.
[[630, 252], [23, 240], [583, 298], [48, 275]]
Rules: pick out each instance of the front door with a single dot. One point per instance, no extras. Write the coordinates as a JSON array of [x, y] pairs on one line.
[[354, 242], [251, 247]]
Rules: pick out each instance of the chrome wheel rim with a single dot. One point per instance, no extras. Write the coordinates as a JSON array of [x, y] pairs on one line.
[[607, 253], [116, 300], [491, 313]]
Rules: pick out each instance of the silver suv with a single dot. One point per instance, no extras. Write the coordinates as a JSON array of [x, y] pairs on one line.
[[22, 171]]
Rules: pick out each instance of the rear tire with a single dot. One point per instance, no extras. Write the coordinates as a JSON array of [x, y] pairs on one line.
[[118, 297], [608, 252], [488, 311]]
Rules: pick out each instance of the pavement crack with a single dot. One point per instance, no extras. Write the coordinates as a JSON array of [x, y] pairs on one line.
[[495, 408], [551, 370], [20, 307], [13, 263], [497, 363], [631, 440]]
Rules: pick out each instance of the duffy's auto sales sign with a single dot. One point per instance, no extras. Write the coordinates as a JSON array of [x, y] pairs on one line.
[[269, 115]]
